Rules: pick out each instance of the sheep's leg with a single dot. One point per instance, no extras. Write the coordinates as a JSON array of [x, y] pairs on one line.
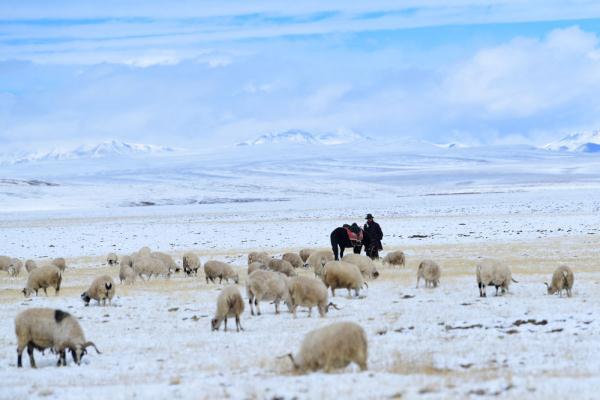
[[332, 292], [238, 323], [257, 304], [20, 356], [250, 300], [294, 307], [226, 318], [309, 312], [276, 306], [45, 291], [418, 279], [30, 354]]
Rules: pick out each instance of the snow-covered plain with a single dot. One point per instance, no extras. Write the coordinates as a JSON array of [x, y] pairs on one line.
[[534, 209]]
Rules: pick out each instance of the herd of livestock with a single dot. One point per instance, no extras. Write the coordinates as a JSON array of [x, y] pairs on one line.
[[270, 279]]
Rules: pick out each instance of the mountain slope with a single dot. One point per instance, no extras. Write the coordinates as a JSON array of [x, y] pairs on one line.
[[583, 142], [297, 136]]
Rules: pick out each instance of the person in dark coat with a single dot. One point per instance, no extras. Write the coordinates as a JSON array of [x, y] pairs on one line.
[[372, 237]]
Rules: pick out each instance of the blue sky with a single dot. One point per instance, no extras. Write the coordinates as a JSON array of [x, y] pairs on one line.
[[202, 73]]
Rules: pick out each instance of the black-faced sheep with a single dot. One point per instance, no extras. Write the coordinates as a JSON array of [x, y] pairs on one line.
[[191, 263], [101, 289], [112, 259]]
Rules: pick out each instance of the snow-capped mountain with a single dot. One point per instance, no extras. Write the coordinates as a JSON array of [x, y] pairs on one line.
[[584, 142], [105, 149], [297, 136]]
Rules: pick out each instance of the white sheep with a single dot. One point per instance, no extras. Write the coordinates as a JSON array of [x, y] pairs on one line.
[[12, 266], [60, 263], [259, 256], [167, 260], [294, 259], [126, 272], [42, 328], [562, 279], [365, 265], [43, 278], [308, 292], [30, 265], [101, 289], [217, 269], [318, 259], [127, 260], [229, 304], [305, 253], [144, 251], [340, 274], [112, 259], [256, 265], [191, 263], [147, 265], [281, 266], [395, 258], [266, 285], [332, 347], [430, 271], [492, 272]]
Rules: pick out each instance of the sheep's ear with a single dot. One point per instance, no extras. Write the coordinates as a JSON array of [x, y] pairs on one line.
[[87, 344], [546, 283]]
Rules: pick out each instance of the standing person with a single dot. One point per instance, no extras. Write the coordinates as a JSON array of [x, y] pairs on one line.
[[373, 237]]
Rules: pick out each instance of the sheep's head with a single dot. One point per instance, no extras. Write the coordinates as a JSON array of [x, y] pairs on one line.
[[236, 279], [551, 289], [80, 350], [375, 273], [86, 299], [27, 292], [215, 324]]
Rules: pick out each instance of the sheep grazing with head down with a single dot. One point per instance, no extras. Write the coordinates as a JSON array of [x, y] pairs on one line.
[[126, 273], [101, 289], [562, 279], [305, 253], [294, 259], [112, 259], [149, 266], [365, 265], [217, 269], [281, 266], [167, 260], [259, 256], [191, 263], [256, 265], [493, 273], [60, 263], [332, 347], [395, 258], [343, 275], [12, 266], [429, 271], [43, 328], [43, 278], [229, 304], [308, 292], [266, 285], [318, 259], [30, 265]]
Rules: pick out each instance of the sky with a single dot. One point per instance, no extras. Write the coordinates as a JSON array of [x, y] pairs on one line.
[[195, 74]]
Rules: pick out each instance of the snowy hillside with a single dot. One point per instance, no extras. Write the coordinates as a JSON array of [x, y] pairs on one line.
[[583, 142], [297, 136]]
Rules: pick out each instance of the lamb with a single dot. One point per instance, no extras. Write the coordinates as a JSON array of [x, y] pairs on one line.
[[256, 265], [217, 269], [308, 292], [112, 259], [229, 304], [429, 271], [492, 272], [305, 253], [101, 289], [340, 274], [294, 259], [60, 263], [266, 285], [318, 259], [167, 260], [42, 328], [191, 263], [43, 278], [562, 279], [126, 271], [331, 347], [395, 258], [260, 256], [146, 265], [281, 266], [365, 265], [30, 265]]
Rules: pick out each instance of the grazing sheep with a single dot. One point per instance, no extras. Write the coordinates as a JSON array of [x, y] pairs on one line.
[[167, 260], [281, 266], [305, 253], [217, 269], [318, 259], [127, 260], [293, 259], [365, 265], [12, 266], [493, 272], [430, 271], [126, 272], [395, 258], [340, 274], [266, 285], [112, 259], [229, 304], [5, 262], [42, 328], [259, 256], [101, 289], [256, 265], [332, 347], [562, 279], [308, 292], [60, 263], [43, 278], [191, 263], [147, 265], [30, 265]]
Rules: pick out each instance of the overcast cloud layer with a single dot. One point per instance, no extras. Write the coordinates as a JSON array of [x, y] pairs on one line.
[[203, 73]]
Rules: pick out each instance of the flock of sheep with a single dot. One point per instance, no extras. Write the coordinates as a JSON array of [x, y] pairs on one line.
[[269, 279]]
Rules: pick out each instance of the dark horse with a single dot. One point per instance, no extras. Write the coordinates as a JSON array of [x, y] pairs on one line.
[[344, 237]]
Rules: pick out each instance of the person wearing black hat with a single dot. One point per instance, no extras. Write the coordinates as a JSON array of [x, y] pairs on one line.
[[372, 237]]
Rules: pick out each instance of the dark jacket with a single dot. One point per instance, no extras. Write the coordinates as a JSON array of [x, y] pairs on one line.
[[373, 235]]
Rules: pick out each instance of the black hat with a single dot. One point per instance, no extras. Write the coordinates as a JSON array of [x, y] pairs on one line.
[[369, 216]]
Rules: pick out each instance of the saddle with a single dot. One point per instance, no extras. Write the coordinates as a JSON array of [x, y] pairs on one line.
[[355, 238]]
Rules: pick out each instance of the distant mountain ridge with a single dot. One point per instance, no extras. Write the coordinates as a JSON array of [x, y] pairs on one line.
[[297, 136], [582, 142]]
